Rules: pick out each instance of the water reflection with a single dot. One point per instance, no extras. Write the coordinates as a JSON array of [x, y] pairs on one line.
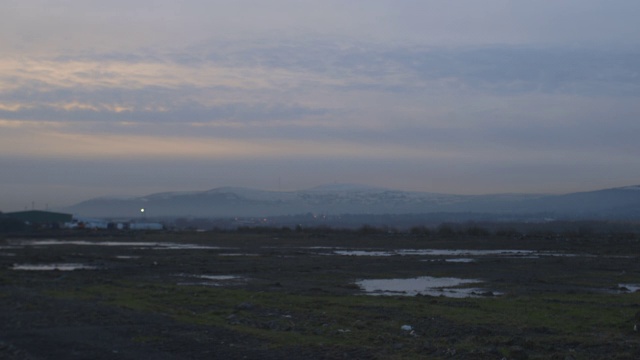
[[154, 245], [52, 267], [434, 252], [210, 280], [629, 287], [424, 285]]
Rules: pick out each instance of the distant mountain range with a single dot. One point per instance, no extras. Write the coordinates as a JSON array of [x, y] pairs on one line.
[[337, 199]]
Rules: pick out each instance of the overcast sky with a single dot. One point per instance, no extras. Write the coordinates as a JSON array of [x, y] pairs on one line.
[[129, 97]]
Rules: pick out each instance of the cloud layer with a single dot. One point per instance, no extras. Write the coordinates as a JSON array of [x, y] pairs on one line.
[[463, 96]]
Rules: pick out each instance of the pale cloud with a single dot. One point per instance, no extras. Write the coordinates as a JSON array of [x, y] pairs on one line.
[[96, 74], [395, 82], [9, 107], [450, 96], [66, 141], [72, 26], [38, 125], [69, 145]]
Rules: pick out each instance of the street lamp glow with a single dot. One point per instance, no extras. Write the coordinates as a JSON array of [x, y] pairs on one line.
[[142, 210]]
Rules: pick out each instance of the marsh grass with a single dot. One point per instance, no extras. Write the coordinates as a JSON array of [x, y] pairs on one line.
[[535, 321]]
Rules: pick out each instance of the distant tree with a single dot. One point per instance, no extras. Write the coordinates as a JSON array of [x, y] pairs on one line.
[[368, 229], [420, 231], [477, 231], [508, 232], [445, 230]]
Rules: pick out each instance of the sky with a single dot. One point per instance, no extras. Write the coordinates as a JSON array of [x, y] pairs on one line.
[[104, 98]]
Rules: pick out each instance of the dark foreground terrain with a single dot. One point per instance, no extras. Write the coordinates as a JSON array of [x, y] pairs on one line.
[[297, 296]]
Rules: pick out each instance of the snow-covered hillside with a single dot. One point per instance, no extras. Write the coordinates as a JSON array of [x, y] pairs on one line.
[[335, 199]]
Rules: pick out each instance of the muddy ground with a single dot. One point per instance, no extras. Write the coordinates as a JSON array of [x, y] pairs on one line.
[[295, 295]]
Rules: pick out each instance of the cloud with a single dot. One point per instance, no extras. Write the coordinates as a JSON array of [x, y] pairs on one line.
[[277, 82], [438, 92], [518, 98], [67, 144], [118, 113], [38, 25]]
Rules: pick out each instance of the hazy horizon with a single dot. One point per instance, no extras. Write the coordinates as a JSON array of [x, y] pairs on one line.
[[128, 99], [35, 205]]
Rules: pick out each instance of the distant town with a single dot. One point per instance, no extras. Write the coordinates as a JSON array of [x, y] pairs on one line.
[[40, 219]]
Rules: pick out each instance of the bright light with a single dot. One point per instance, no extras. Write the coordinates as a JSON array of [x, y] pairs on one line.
[[142, 210]]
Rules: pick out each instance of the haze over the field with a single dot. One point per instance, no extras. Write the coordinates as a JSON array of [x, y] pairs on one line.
[[133, 97]]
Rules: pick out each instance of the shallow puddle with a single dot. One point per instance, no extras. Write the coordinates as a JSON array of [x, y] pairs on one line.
[[434, 252], [424, 285], [237, 254], [629, 287], [167, 246], [460, 260], [52, 267], [463, 252], [453, 260], [211, 280], [520, 254], [154, 245], [217, 277], [364, 253]]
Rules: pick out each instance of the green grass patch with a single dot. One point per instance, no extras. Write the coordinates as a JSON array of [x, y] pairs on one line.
[[375, 322]]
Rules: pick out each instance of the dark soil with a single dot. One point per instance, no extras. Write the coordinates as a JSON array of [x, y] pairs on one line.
[[83, 314]]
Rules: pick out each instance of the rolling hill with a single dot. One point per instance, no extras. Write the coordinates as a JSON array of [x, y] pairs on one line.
[[336, 199]]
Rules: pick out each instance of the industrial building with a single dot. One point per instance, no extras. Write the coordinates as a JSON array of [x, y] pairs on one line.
[[40, 218]]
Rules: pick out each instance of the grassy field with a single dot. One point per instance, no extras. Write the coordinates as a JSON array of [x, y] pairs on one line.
[[540, 325], [289, 305]]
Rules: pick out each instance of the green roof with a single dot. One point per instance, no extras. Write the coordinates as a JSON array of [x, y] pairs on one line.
[[39, 216]]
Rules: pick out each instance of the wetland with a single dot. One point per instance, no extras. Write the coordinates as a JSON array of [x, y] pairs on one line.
[[276, 295]]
